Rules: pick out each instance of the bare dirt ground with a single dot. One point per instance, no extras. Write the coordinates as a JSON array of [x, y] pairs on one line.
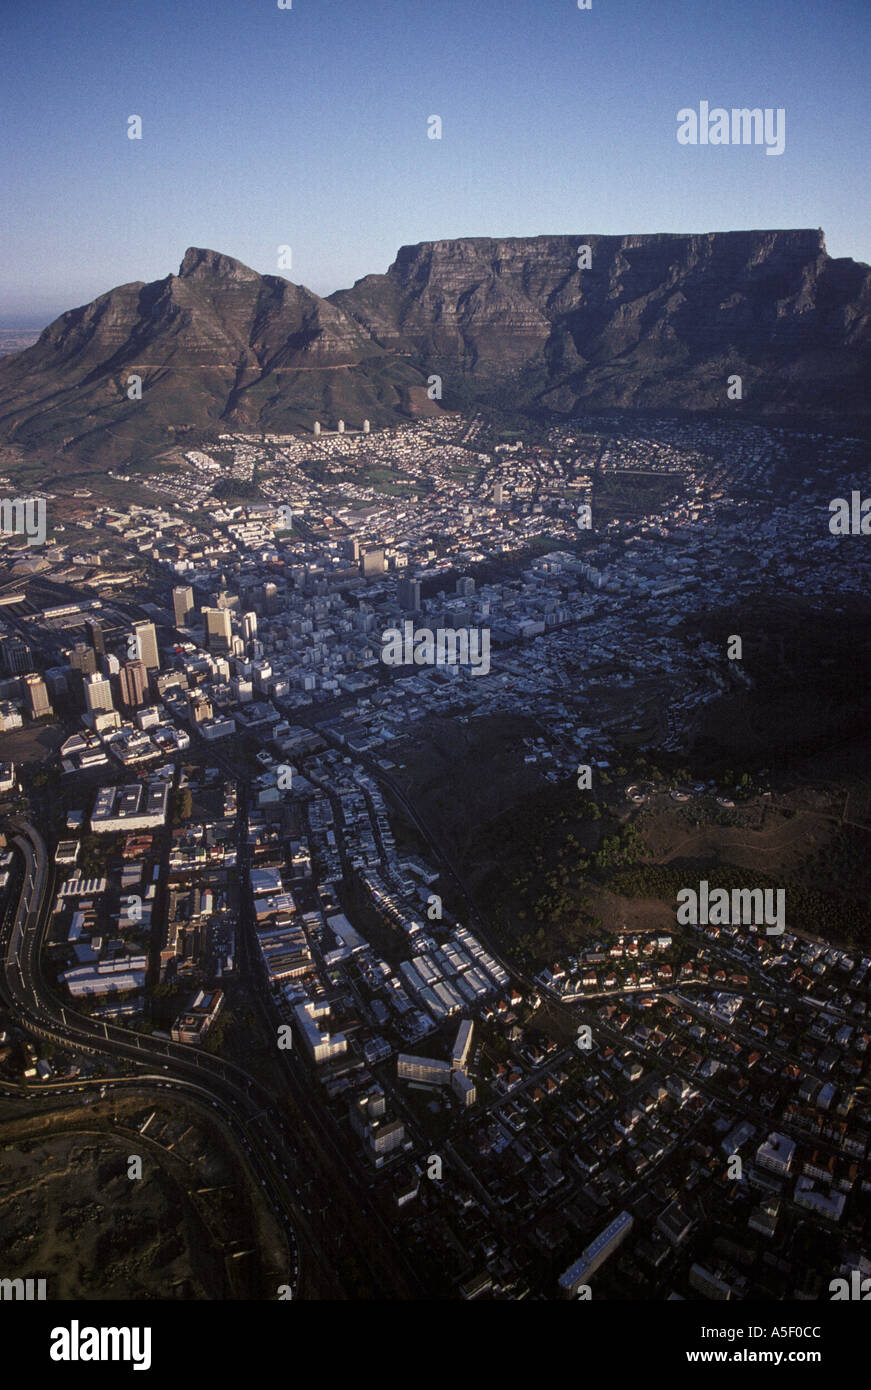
[[37, 743], [70, 1213], [766, 840]]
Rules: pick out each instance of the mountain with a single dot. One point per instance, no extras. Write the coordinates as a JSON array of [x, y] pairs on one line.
[[652, 322], [656, 322], [216, 347]]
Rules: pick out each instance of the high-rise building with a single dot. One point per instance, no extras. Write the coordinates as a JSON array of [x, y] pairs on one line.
[[36, 697], [497, 494], [409, 595], [94, 630], [373, 560], [98, 693], [218, 630], [271, 600], [465, 586], [17, 660], [183, 607], [200, 707], [57, 680], [249, 626], [146, 645], [133, 681], [83, 658]]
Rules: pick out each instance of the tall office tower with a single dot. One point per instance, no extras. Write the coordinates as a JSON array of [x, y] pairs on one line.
[[98, 694], [317, 427], [83, 658], [271, 601], [366, 427], [341, 427], [249, 626], [218, 630], [94, 630], [110, 665], [57, 680], [146, 645], [351, 548], [134, 684], [183, 605], [17, 660], [373, 560], [465, 586], [409, 595], [36, 696], [497, 494], [200, 707]]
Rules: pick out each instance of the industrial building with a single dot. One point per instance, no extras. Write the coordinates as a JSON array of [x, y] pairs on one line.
[[131, 807], [197, 1017]]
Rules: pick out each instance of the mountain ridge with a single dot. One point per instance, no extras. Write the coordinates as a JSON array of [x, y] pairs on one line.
[[645, 322]]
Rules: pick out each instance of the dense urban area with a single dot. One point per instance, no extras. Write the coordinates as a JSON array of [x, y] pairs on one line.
[[337, 777]]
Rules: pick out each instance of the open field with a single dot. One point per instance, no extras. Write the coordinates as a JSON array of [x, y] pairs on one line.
[[70, 1213]]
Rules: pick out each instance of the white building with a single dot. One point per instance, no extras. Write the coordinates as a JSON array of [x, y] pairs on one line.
[[320, 1046]]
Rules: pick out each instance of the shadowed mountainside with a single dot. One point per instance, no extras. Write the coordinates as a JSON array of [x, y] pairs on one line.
[[655, 323]]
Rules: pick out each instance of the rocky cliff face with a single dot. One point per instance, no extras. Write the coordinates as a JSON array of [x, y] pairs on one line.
[[652, 322]]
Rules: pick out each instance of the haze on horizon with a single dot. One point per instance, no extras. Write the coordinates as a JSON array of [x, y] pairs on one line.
[[308, 128]]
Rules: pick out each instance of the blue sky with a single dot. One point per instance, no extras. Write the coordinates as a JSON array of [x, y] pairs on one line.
[[308, 128]]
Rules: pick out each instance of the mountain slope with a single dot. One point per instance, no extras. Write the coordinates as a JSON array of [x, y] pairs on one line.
[[656, 322], [216, 346]]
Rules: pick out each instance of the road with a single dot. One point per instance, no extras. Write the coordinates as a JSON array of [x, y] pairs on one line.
[[239, 1100], [305, 1174]]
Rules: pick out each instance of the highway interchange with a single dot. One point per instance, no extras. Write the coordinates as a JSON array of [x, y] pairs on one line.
[[289, 1166]]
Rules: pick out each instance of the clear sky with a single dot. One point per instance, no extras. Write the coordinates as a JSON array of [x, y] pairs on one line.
[[308, 127]]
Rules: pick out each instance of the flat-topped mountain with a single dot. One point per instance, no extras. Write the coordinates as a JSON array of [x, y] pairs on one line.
[[649, 322], [655, 322]]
